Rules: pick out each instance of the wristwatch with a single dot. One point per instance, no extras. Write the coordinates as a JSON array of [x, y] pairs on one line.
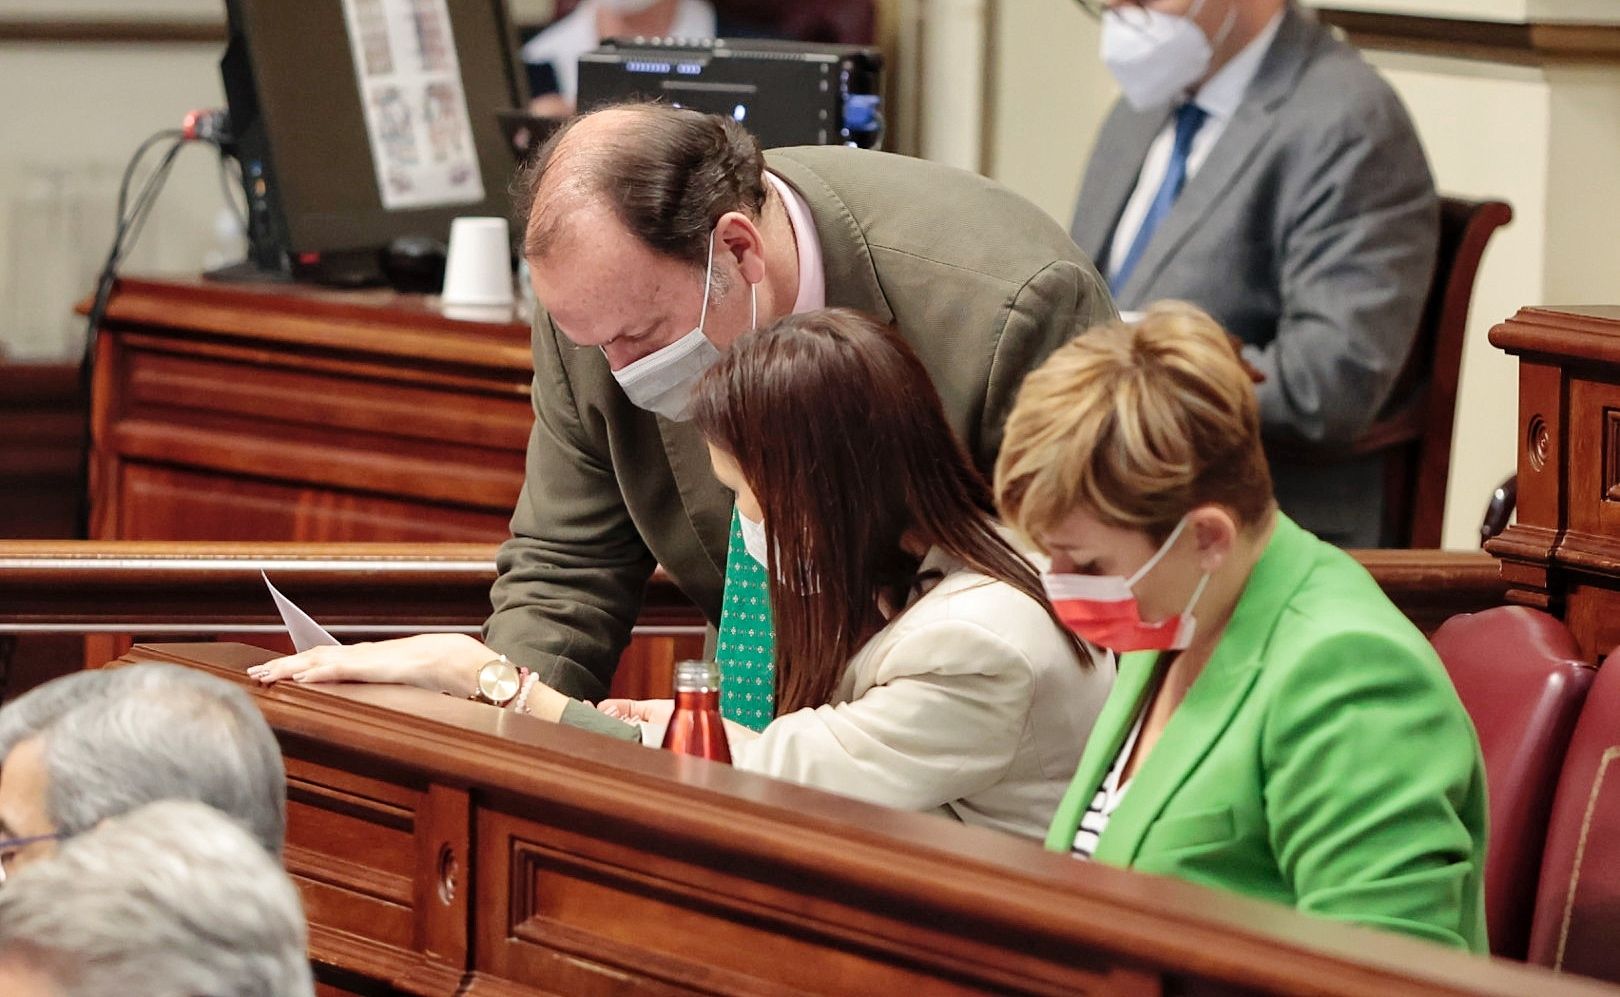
[[498, 682]]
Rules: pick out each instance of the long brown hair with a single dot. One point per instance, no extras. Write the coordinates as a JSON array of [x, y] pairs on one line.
[[838, 431]]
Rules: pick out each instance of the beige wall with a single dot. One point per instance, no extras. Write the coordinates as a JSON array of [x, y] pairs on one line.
[[1486, 130], [1048, 95], [75, 115], [1545, 139]]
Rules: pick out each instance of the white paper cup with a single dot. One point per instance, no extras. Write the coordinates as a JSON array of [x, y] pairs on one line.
[[478, 267]]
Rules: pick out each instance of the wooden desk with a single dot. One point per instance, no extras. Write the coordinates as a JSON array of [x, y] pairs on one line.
[[440, 844], [1563, 553], [283, 412], [42, 450]]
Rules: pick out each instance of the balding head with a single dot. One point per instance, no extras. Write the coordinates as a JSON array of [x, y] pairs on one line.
[[665, 174]]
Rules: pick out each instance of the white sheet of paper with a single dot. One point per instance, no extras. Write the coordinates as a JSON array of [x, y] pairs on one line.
[[305, 632]]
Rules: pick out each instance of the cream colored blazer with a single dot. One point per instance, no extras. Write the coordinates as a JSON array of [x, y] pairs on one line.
[[970, 702]]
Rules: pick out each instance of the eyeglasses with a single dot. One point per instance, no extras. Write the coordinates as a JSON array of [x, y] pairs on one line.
[[1132, 15], [10, 847]]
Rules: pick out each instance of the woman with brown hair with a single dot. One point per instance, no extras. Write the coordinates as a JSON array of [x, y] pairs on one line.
[[918, 663]]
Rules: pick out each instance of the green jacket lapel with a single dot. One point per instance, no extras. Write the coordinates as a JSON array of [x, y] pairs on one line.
[[1132, 681], [1215, 696]]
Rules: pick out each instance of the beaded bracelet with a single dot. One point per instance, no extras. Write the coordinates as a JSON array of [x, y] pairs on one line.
[[526, 683]]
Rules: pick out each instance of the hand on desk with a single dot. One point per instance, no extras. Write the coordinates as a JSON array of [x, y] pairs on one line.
[[650, 711], [441, 662]]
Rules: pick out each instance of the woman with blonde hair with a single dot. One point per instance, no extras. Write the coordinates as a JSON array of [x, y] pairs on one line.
[[1277, 727]]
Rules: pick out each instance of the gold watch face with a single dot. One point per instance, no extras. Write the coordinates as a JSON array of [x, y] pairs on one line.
[[498, 680]]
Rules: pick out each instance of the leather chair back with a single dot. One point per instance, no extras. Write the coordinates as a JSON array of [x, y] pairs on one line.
[[1520, 675], [1577, 917]]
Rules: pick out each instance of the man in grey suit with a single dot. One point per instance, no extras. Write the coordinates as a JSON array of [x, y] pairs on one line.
[[655, 238], [1259, 168]]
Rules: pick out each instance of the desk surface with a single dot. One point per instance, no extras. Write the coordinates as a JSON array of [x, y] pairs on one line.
[[591, 856]]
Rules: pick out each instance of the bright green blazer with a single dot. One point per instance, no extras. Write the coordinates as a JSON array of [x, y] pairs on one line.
[[1321, 760]]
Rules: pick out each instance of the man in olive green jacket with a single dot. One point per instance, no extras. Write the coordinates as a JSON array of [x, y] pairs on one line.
[[982, 283]]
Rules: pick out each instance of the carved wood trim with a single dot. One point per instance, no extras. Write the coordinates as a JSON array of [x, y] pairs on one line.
[[1486, 41], [375, 884], [204, 587], [279, 459], [368, 324], [368, 809], [1590, 553], [412, 972], [437, 376], [1562, 335], [1611, 455], [480, 984]]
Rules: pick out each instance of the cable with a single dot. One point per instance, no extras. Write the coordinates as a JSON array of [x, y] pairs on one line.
[[228, 187], [131, 219], [127, 226]]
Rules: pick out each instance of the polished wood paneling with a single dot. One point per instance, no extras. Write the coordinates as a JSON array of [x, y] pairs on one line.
[[293, 413], [226, 413], [42, 451], [596, 866], [1563, 552], [43, 428], [159, 502]]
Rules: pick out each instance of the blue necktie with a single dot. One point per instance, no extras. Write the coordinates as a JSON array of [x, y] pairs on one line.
[[1189, 119]]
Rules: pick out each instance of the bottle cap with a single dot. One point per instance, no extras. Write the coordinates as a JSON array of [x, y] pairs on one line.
[[697, 676]]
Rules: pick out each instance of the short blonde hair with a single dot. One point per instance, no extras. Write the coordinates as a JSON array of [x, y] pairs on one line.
[[1137, 424]]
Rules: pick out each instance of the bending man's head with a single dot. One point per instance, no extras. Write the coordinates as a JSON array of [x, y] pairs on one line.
[[623, 209]]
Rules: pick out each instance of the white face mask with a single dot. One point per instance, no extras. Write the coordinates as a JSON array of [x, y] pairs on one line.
[[662, 381], [753, 534], [1155, 56], [626, 6]]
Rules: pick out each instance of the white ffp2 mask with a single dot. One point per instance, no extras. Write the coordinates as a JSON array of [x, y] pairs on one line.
[[1154, 56]]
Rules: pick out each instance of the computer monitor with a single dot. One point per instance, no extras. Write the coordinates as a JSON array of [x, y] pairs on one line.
[[785, 92], [361, 121]]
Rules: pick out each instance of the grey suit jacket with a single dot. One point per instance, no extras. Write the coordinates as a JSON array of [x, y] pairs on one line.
[[982, 284], [1310, 232]]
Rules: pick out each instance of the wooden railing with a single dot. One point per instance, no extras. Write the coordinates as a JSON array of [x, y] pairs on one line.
[[109, 593], [198, 588]]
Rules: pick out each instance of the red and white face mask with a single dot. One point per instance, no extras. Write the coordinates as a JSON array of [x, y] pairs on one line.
[[1103, 608]]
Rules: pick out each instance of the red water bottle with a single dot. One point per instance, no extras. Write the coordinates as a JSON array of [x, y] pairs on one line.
[[695, 727]]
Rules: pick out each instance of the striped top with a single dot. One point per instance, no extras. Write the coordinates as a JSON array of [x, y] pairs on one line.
[[1108, 797]]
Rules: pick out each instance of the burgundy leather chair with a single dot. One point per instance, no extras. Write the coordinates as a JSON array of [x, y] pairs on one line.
[[1520, 675], [1577, 919]]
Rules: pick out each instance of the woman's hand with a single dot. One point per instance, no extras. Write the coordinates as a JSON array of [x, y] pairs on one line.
[[646, 711], [440, 662]]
